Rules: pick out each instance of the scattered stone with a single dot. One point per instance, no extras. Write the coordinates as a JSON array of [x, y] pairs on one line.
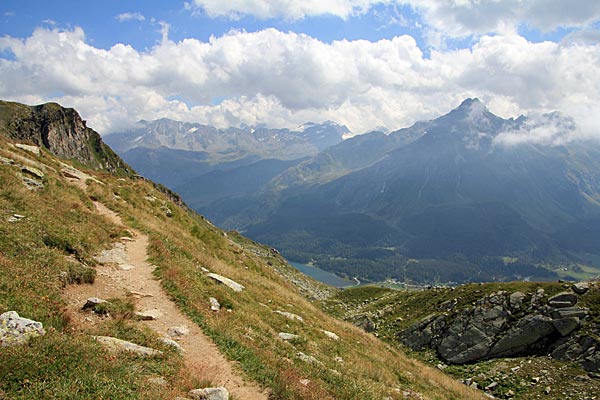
[[581, 287], [510, 393], [236, 287], [126, 267], [304, 382], [15, 218], [218, 393], [32, 149], [547, 390], [171, 342], [148, 315], [564, 299], [114, 344], [515, 369], [491, 386], [289, 315], [7, 161], [441, 366], [516, 300], [178, 331], [287, 336], [535, 379], [159, 381], [205, 270], [15, 330], [308, 359], [214, 304], [330, 335], [338, 359], [92, 303], [126, 239]]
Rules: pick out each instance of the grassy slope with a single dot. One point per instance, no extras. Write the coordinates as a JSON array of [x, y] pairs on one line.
[[392, 311], [59, 228], [67, 364]]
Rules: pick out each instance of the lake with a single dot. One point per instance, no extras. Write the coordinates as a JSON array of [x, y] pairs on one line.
[[320, 275]]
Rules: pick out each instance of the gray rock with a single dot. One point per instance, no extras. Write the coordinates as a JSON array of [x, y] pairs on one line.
[[287, 336], [15, 330], [236, 287], [537, 297], [115, 255], [526, 332], [564, 326], [92, 303], [177, 331], [330, 335], [289, 315], [212, 393], [308, 359], [564, 297], [581, 287], [516, 300], [148, 315], [570, 312], [115, 345], [32, 149], [214, 304], [472, 334], [172, 343]]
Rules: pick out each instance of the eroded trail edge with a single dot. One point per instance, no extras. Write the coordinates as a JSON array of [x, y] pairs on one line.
[[130, 273]]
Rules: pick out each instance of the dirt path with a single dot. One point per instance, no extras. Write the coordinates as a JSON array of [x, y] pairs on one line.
[[134, 275]]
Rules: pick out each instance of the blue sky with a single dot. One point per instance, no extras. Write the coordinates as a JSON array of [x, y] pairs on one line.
[[364, 63]]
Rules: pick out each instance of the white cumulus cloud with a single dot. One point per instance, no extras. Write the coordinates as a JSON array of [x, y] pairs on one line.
[[285, 79]]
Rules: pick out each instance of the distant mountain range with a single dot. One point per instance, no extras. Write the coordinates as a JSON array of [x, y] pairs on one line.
[[443, 200], [174, 153]]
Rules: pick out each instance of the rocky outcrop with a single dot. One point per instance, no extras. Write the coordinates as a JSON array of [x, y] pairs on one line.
[[507, 325], [62, 132], [15, 330]]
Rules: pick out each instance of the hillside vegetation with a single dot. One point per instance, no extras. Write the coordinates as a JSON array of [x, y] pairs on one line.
[[49, 233]]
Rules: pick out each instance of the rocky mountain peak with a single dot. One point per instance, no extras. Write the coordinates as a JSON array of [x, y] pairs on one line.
[[60, 130]]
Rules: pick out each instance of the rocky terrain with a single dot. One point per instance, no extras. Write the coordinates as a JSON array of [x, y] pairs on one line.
[[62, 132], [511, 324], [515, 340]]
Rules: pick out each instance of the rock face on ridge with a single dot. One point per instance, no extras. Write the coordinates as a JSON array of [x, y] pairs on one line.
[[508, 325], [61, 131]]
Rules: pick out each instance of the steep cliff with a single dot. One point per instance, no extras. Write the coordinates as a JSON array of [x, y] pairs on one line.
[[62, 132]]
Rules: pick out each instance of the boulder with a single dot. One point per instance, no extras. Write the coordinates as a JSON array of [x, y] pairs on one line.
[[236, 287], [564, 326], [92, 303], [177, 331], [581, 287], [214, 304], [529, 330], [211, 393], [559, 300], [16, 330], [567, 312], [116, 345], [515, 300]]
